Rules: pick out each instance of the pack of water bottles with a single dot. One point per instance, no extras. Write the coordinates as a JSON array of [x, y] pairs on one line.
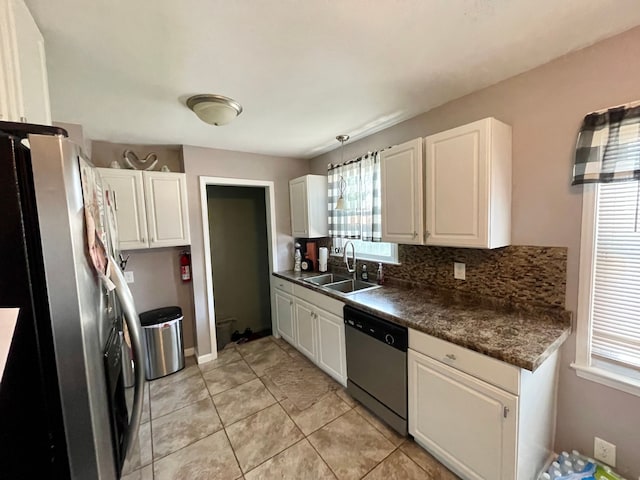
[[573, 466]]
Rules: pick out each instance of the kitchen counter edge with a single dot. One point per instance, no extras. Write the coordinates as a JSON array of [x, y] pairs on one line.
[[546, 333]]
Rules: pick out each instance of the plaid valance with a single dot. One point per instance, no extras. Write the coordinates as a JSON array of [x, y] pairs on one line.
[[608, 147]]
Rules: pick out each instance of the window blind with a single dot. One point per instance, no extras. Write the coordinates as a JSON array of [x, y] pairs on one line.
[[616, 288]]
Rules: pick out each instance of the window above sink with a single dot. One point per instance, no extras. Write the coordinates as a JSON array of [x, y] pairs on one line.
[[370, 251]]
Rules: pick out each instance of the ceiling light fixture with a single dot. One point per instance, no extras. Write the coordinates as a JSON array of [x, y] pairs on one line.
[[214, 109], [343, 182]]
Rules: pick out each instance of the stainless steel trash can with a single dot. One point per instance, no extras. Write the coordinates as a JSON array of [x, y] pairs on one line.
[[163, 337]]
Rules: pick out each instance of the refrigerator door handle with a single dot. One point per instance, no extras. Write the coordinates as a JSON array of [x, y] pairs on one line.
[[135, 333]]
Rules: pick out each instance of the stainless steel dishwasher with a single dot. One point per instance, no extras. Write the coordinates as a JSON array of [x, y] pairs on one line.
[[377, 366]]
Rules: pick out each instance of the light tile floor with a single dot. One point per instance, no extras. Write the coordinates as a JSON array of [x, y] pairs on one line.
[[263, 411]]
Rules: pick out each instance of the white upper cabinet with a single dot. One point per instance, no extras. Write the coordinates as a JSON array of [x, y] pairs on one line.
[[167, 212], [309, 209], [24, 90], [128, 198], [468, 186], [401, 180], [151, 207]]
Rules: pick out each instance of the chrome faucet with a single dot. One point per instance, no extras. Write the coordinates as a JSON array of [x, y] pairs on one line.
[[346, 259]]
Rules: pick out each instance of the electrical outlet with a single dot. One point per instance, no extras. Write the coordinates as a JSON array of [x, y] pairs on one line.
[[459, 271], [604, 451], [128, 276]]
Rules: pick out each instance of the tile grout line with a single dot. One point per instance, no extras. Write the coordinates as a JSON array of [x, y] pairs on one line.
[[275, 454], [306, 437], [255, 413], [195, 441], [377, 429], [230, 388]]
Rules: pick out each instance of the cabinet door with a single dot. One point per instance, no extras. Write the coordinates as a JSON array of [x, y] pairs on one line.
[[306, 328], [299, 207], [468, 424], [167, 212], [128, 198], [285, 316], [457, 186], [331, 347], [24, 93], [401, 195]]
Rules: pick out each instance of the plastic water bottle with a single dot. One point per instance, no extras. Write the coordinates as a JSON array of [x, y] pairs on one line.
[[566, 467]]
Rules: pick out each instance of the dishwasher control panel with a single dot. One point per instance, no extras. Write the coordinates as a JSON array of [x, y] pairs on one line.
[[393, 335]]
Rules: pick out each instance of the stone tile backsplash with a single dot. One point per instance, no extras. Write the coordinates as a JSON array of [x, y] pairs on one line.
[[514, 276]]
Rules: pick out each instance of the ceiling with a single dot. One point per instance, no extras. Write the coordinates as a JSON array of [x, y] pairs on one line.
[[304, 70]]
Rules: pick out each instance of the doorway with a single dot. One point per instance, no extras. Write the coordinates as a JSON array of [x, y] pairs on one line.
[[238, 222]]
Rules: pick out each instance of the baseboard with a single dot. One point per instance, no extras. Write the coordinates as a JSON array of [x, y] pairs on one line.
[[188, 352], [206, 357]]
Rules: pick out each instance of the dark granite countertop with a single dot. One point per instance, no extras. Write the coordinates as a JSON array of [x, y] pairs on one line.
[[521, 338]]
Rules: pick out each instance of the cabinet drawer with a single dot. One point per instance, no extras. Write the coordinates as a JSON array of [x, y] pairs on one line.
[[281, 284], [480, 366], [320, 300]]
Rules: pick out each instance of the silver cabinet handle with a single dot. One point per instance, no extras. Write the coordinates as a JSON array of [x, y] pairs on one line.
[[450, 356], [135, 333], [115, 200], [415, 234], [505, 412]]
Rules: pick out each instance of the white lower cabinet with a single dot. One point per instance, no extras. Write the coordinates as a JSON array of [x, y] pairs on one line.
[[305, 318], [312, 323], [482, 418], [467, 421], [284, 314], [332, 356]]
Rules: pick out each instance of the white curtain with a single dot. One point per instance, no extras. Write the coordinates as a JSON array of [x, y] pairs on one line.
[[371, 201], [345, 180], [359, 183]]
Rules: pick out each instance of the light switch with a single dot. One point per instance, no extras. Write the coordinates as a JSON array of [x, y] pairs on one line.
[[128, 276], [459, 271]]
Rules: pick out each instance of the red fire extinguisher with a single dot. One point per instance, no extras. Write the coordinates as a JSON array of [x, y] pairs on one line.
[[185, 266]]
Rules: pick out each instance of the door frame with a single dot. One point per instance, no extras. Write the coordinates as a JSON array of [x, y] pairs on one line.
[[270, 207]]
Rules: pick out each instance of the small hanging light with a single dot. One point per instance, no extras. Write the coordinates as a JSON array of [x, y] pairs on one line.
[[343, 182]]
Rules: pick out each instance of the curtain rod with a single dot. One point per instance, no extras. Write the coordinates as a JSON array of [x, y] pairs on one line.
[[625, 105]]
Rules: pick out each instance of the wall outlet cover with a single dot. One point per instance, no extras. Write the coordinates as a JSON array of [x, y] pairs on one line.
[[128, 276], [459, 272], [604, 451]]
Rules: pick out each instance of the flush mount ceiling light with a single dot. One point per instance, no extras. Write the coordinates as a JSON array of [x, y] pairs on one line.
[[343, 183], [214, 109]]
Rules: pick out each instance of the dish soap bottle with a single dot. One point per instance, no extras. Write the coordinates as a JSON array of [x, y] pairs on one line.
[[297, 258], [380, 274], [364, 275]]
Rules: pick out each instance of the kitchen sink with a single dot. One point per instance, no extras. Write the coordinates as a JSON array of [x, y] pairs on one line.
[[350, 286], [326, 278]]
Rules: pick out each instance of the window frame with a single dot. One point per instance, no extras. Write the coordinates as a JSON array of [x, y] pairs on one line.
[[392, 260], [586, 366]]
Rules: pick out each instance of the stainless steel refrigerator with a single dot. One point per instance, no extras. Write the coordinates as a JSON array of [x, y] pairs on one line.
[[63, 412]]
